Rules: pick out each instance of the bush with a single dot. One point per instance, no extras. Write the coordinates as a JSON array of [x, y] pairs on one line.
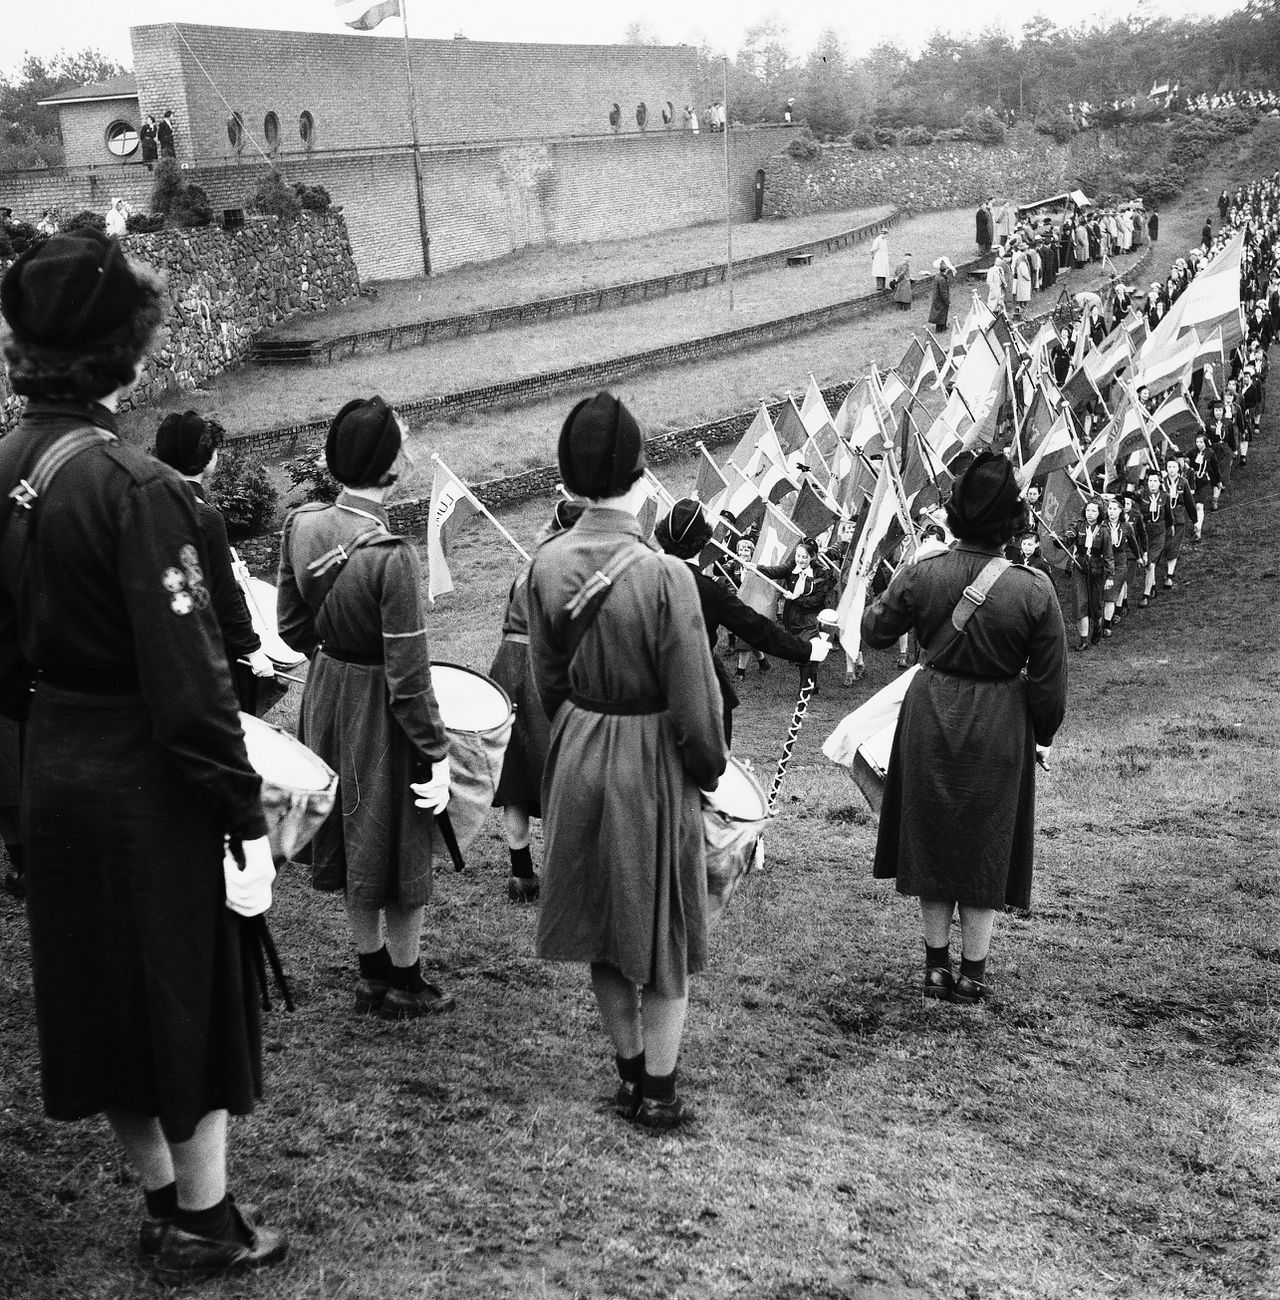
[[917, 135], [85, 220], [143, 223], [195, 209], [1057, 123], [244, 494], [982, 128], [18, 236], [885, 138], [311, 475], [862, 138], [803, 150], [177, 202], [275, 197], [314, 198]]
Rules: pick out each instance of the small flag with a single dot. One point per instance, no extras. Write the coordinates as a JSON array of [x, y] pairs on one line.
[[451, 506], [363, 16]]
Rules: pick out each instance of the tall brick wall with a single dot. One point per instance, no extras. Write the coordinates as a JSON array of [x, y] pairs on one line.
[[84, 130]]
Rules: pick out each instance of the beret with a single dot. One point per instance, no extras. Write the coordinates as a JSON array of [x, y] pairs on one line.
[[985, 497], [187, 441], [601, 449], [685, 530], [363, 442]]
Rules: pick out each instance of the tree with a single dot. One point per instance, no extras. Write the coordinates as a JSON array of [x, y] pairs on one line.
[[639, 32], [29, 134]]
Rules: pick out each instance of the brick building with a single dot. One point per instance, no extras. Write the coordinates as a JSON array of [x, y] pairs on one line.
[[520, 144]]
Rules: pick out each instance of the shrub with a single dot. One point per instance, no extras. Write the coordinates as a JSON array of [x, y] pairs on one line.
[[803, 150], [1057, 123], [143, 223], [311, 475], [862, 138], [917, 135], [18, 236], [983, 128], [195, 208], [314, 198], [85, 220], [275, 197], [885, 138], [177, 202], [244, 494]]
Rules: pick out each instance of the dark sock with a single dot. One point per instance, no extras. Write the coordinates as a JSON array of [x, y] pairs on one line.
[[215, 1222], [408, 978], [163, 1202], [660, 1087], [522, 863], [939, 957], [376, 965], [630, 1068], [974, 970]]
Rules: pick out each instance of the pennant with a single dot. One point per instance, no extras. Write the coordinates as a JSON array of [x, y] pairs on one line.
[[1055, 450], [812, 513], [1060, 506], [778, 536], [452, 504], [789, 428], [364, 16], [814, 412], [710, 485], [740, 456]]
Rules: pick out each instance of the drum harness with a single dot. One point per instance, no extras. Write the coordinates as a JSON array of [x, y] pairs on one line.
[[974, 597]]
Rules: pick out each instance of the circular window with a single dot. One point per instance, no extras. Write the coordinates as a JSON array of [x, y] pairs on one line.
[[235, 130], [642, 115], [306, 128], [668, 113], [122, 138], [615, 116], [271, 131]]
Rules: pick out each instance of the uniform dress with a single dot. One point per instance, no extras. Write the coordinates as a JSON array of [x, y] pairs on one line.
[[134, 770], [635, 733], [522, 765], [368, 709], [958, 817]]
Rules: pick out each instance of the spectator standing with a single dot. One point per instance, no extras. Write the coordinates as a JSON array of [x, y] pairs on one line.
[[902, 287], [880, 257], [117, 219], [940, 307], [983, 231], [147, 136], [164, 135]]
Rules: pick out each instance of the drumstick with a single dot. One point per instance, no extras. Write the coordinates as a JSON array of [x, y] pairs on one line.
[[300, 681], [827, 625], [450, 839]]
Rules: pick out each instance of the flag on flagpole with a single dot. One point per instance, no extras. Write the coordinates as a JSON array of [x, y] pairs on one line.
[[789, 428], [365, 15], [710, 485], [452, 504], [740, 456], [814, 412]]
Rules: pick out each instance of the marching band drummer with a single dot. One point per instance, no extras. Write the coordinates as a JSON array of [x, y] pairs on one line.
[[189, 443], [350, 597], [135, 768], [624, 671]]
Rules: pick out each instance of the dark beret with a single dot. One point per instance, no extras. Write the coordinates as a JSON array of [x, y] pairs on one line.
[[363, 442], [69, 290], [188, 441], [601, 450], [985, 498], [685, 531], [565, 515]]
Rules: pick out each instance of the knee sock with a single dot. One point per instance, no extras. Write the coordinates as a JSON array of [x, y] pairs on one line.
[[408, 978], [937, 957], [163, 1202], [660, 1087], [630, 1068], [974, 970], [376, 965], [522, 863]]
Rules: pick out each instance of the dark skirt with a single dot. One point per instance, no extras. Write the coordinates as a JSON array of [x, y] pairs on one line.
[[522, 765], [144, 1000], [958, 818], [1173, 539], [1087, 588]]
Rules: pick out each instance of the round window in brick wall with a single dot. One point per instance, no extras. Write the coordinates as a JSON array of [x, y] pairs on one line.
[[668, 113], [642, 115], [615, 116], [235, 130], [122, 138], [271, 131], [306, 128]]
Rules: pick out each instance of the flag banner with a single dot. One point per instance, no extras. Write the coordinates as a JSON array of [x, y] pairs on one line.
[[1163, 370], [789, 428], [451, 506], [1055, 450], [363, 15], [1079, 389], [814, 412], [989, 412], [810, 458], [1124, 436], [879, 531], [742, 495], [908, 369], [778, 537], [812, 513], [1177, 417], [710, 485], [761, 425], [979, 372], [1060, 506], [1212, 299]]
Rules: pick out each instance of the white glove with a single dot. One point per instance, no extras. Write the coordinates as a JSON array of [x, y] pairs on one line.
[[1042, 755], [260, 663], [433, 794], [819, 649], [249, 887]]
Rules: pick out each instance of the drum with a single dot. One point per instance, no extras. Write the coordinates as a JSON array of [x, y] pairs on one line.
[[864, 740], [260, 597], [478, 716], [734, 816], [298, 788]]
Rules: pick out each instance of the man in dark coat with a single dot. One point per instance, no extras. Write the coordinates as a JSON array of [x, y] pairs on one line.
[[164, 135], [983, 223], [957, 825]]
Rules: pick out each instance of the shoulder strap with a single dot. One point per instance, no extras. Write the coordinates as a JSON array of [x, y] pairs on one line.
[[974, 597], [328, 568], [585, 605], [55, 457]]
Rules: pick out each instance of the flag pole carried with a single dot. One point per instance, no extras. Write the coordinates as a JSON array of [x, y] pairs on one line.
[[480, 505], [423, 234]]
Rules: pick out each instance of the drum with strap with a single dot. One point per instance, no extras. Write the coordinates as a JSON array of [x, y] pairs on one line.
[[260, 597], [734, 816], [478, 716], [298, 788]]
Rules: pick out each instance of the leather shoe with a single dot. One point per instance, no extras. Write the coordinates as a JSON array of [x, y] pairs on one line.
[[969, 992], [938, 983], [628, 1099], [400, 1004], [186, 1257], [151, 1231], [523, 889], [656, 1114], [370, 994]]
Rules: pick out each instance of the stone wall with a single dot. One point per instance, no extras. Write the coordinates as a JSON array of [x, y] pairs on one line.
[[225, 286], [1027, 167]]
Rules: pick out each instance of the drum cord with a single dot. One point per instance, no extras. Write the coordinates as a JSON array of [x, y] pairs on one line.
[[797, 721]]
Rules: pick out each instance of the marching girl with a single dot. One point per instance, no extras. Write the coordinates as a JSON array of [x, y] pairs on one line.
[[1124, 555], [519, 792], [1137, 555], [1155, 509], [1206, 481], [1182, 509], [735, 570], [1090, 548], [1223, 434]]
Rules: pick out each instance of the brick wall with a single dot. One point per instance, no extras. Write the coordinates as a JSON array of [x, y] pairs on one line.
[[84, 130]]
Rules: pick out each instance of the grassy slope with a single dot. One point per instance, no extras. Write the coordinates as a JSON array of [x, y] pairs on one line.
[[1108, 1129]]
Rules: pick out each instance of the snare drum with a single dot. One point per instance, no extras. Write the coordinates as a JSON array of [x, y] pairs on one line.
[[478, 716], [260, 597], [298, 788], [734, 816]]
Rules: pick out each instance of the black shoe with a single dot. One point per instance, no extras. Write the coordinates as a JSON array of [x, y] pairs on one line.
[[628, 1099], [968, 992], [186, 1257], [765, 665], [523, 889], [400, 1004], [1168, 584], [740, 675], [660, 1114], [1144, 602], [938, 983], [1095, 636], [370, 994], [1081, 644], [151, 1231]]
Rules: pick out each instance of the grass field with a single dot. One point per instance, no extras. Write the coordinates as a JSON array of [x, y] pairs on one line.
[[1109, 1128]]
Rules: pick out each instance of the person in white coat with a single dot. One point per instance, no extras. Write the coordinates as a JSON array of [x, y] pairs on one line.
[[880, 257]]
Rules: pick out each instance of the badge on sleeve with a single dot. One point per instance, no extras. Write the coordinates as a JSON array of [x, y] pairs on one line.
[[185, 586]]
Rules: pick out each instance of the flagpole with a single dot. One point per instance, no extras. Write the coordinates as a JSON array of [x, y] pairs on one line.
[[728, 192], [480, 506], [423, 234]]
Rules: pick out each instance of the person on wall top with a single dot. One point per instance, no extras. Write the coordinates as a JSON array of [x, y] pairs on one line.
[[880, 257]]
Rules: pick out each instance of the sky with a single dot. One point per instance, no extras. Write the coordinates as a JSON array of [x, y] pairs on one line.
[[44, 27]]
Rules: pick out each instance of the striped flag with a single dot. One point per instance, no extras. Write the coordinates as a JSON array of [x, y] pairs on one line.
[[365, 16]]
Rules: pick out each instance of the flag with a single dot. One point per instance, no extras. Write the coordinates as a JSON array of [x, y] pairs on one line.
[[1212, 299], [880, 528], [908, 369], [813, 512], [1054, 450], [740, 456], [789, 428], [814, 412], [989, 411], [365, 16], [977, 375], [710, 485], [778, 536], [451, 506], [1060, 506]]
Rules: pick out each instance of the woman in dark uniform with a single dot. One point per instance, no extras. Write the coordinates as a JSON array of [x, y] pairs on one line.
[[350, 597], [624, 672], [134, 764], [957, 825], [1094, 564]]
